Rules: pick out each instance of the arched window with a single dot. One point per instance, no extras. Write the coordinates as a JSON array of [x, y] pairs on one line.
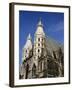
[[38, 50], [34, 70], [26, 51], [38, 39], [27, 70], [41, 66], [38, 44], [42, 39]]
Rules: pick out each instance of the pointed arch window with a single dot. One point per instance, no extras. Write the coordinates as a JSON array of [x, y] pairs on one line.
[[38, 50], [38, 39], [26, 51], [42, 39], [41, 66], [27, 70], [34, 70], [38, 44]]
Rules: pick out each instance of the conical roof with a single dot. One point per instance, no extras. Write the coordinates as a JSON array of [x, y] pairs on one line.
[[28, 44], [40, 23], [40, 28], [29, 37]]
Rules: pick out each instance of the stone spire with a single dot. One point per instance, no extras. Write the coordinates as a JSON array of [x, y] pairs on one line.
[[27, 48], [39, 40], [28, 42], [40, 22], [40, 28], [29, 37]]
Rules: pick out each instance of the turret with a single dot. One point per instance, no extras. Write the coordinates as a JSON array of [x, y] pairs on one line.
[[27, 48], [39, 40]]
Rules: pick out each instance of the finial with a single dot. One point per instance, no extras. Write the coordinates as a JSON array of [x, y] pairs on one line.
[[29, 37], [40, 22]]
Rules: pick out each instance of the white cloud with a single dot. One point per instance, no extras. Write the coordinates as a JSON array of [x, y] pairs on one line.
[[57, 27]]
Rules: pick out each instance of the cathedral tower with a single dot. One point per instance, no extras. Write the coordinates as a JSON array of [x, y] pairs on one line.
[[39, 40], [27, 48]]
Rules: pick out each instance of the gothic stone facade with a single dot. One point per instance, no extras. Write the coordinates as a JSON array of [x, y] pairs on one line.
[[44, 58]]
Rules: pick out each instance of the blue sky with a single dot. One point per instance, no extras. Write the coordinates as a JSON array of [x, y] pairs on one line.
[[53, 26]]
